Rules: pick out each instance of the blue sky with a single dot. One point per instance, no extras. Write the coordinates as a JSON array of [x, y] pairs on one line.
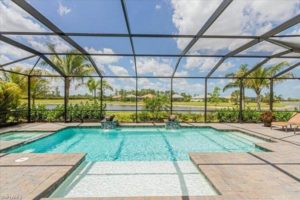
[[243, 17]]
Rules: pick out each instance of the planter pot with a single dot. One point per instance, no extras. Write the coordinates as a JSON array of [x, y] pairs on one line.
[[267, 124]]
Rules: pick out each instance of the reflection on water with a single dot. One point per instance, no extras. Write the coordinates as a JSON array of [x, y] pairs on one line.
[[132, 107], [292, 105]]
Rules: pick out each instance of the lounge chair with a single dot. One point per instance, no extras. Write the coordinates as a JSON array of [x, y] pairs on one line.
[[293, 121]]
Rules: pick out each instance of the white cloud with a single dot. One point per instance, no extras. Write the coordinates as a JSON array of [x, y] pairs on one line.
[[102, 60], [245, 17], [225, 66], [209, 46], [25, 65], [154, 66], [40, 43], [190, 87], [13, 18], [253, 17], [10, 53], [296, 31], [203, 64], [156, 84], [4, 59], [275, 61], [189, 17], [63, 10], [118, 70], [157, 7], [181, 73], [105, 62], [121, 83], [264, 47]]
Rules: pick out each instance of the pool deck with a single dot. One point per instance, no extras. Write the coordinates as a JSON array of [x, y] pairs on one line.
[[33, 176], [261, 175]]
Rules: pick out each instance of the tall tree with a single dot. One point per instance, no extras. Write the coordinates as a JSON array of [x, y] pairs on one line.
[[38, 85], [236, 83], [235, 97], [18, 79], [260, 79], [94, 85], [39, 88], [215, 95], [71, 64]]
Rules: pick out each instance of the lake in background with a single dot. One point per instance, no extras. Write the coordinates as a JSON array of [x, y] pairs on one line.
[[111, 107]]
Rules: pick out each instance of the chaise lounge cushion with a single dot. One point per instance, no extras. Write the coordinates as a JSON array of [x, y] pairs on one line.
[[294, 120], [280, 123]]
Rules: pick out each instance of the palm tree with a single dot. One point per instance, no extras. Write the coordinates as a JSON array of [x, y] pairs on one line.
[[94, 85], [235, 96], [71, 64], [38, 85], [260, 79], [16, 78], [236, 84]]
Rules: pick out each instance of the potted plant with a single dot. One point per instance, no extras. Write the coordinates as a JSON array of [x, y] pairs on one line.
[[267, 118]]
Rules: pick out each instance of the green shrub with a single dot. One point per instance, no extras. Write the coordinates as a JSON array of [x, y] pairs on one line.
[[251, 116], [282, 115], [227, 115], [123, 116], [156, 106], [144, 116], [211, 117], [10, 94]]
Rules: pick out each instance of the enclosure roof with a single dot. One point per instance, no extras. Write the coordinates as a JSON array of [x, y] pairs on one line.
[[150, 38]]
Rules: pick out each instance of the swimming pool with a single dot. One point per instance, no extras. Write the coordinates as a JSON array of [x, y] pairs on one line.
[[140, 144]]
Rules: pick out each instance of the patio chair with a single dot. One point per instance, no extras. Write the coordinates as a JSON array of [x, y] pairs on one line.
[[293, 121]]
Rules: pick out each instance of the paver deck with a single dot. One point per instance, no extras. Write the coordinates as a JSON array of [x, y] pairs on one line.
[[223, 158], [32, 176], [263, 180], [291, 169], [266, 174], [53, 159], [223, 197]]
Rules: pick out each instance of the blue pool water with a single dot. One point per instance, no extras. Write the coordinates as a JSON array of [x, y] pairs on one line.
[[140, 144]]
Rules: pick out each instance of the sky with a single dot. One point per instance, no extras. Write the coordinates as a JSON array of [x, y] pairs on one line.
[[242, 17]]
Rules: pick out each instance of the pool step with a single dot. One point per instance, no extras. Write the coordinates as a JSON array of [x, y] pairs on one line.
[[139, 178]]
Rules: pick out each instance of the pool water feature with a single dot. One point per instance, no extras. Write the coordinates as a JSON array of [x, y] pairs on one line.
[[140, 144], [19, 136]]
